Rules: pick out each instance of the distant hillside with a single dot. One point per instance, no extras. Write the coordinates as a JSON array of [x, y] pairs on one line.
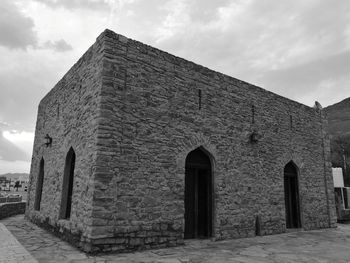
[[339, 118], [15, 176]]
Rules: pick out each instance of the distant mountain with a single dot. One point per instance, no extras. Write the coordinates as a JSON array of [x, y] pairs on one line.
[[338, 116], [15, 176]]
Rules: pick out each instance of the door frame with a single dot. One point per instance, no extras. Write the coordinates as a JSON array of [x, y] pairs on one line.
[[211, 195], [295, 177]]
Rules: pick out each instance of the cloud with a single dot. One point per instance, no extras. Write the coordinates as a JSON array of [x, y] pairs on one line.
[[25, 78], [333, 66], [76, 4], [264, 42], [21, 93], [16, 29], [86, 4], [10, 152], [58, 45], [176, 19], [22, 139], [14, 167], [325, 78], [205, 11], [3, 124]]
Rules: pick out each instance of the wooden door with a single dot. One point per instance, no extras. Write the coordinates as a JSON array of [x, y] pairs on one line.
[[198, 195], [291, 193]]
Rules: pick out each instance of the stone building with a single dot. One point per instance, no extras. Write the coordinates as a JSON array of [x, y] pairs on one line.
[[136, 148]]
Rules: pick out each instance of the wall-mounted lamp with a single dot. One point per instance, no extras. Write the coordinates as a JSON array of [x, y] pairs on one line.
[[48, 140], [254, 137]]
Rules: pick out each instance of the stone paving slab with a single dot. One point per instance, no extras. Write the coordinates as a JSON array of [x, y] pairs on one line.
[[11, 250], [318, 246]]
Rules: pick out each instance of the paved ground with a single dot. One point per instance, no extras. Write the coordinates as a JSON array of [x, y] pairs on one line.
[[11, 250], [319, 246]]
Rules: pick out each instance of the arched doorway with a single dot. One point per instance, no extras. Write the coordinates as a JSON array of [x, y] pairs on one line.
[[198, 195], [39, 185], [67, 186], [291, 196]]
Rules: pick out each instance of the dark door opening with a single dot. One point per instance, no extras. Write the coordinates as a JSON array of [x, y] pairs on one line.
[[198, 195], [67, 186], [291, 195], [39, 186]]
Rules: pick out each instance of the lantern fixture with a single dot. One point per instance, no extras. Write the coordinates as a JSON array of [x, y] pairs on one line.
[[48, 140]]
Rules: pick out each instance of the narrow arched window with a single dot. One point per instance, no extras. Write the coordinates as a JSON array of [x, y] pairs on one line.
[[39, 186], [67, 186]]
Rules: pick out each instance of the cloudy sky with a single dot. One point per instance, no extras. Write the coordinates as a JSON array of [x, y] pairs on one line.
[[299, 49]]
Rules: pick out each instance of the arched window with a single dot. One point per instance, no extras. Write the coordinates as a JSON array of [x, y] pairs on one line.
[[39, 185], [67, 186]]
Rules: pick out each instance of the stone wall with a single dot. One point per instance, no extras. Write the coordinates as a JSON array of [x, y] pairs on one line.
[[69, 114], [11, 209], [153, 117], [132, 113]]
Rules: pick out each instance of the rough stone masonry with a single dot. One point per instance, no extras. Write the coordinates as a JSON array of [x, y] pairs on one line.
[[148, 149]]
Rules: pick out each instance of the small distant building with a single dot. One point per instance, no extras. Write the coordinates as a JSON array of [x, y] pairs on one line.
[[4, 183], [136, 148], [23, 179], [342, 195], [338, 178], [3, 179]]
